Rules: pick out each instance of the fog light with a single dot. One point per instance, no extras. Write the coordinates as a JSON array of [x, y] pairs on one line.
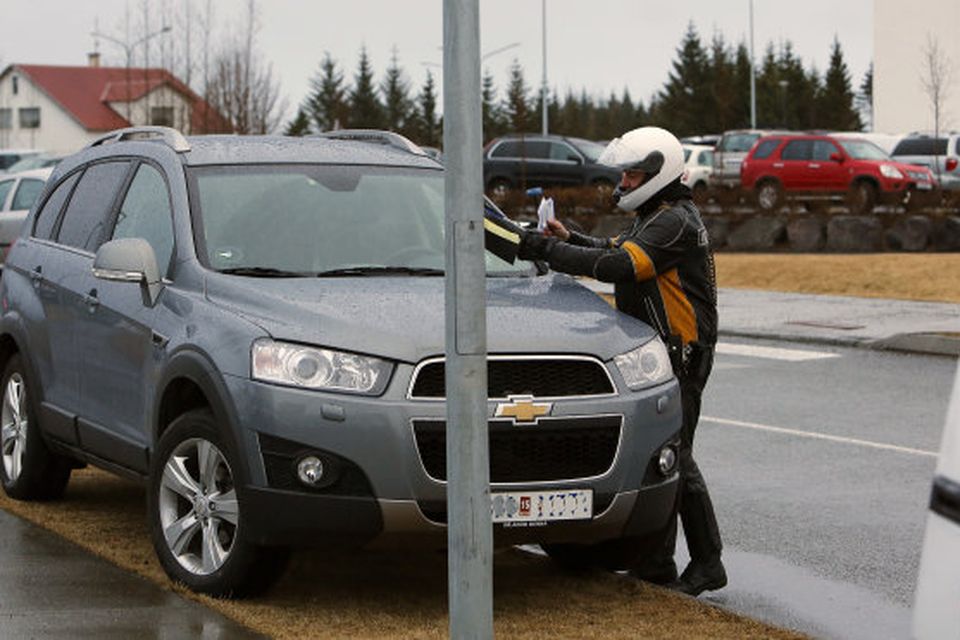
[[667, 461], [310, 470]]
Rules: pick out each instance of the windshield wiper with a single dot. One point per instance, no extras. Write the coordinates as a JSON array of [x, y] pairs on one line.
[[263, 272], [376, 271]]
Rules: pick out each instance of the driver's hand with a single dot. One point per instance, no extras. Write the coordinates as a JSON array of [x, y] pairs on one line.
[[555, 228]]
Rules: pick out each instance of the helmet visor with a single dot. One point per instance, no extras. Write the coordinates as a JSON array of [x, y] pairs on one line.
[[625, 157]]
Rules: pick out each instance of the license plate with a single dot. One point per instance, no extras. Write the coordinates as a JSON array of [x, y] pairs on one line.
[[924, 186], [542, 506]]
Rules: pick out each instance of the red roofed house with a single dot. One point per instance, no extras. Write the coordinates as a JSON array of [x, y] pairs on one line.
[[60, 109]]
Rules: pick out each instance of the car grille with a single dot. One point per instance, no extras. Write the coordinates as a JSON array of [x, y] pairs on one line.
[[918, 175], [551, 450], [538, 377]]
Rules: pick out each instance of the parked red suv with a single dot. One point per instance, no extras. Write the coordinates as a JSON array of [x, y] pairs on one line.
[[816, 168]]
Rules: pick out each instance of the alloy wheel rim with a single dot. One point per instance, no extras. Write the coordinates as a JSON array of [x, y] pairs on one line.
[[13, 426], [768, 196], [199, 512]]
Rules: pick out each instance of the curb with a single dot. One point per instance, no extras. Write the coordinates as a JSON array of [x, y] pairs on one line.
[[915, 343]]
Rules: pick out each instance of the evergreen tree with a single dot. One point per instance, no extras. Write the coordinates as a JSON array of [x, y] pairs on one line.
[[741, 81], [723, 89], [865, 97], [685, 99], [492, 119], [366, 112], [326, 105], [300, 125], [516, 107], [836, 108], [428, 129], [396, 96]]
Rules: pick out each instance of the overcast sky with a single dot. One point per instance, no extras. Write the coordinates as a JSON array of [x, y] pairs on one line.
[[599, 45]]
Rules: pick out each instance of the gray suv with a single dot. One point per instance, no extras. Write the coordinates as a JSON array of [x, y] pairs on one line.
[[254, 327]]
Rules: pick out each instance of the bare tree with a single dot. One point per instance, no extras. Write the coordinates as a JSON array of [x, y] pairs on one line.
[[243, 88], [935, 78]]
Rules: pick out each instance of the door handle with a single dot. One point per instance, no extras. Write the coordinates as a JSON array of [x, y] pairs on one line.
[[91, 300], [36, 276], [778, 165], [814, 165]]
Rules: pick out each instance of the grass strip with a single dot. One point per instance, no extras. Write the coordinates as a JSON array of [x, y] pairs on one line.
[[392, 594], [932, 277]]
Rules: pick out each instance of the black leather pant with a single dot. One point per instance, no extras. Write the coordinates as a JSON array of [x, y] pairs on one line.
[[693, 500]]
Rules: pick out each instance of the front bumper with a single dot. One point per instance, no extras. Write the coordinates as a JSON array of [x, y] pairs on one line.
[[389, 495]]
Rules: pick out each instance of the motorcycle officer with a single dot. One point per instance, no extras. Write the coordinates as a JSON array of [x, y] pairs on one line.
[[663, 272]]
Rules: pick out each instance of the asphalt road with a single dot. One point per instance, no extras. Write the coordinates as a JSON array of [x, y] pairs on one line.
[[819, 461]]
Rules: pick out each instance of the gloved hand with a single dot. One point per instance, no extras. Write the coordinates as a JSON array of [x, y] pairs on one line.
[[535, 246]]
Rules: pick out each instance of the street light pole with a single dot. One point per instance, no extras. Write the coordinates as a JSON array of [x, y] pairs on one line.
[[543, 88], [753, 77], [469, 528]]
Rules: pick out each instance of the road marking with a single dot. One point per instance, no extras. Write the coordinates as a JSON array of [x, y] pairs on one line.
[[773, 353], [820, 436]]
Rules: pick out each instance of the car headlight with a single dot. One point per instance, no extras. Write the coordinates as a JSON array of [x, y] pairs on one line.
[[314, 368], [890, 171], [645, 366]]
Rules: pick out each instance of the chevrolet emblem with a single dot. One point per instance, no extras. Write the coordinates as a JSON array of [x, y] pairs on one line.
[[523, 409]]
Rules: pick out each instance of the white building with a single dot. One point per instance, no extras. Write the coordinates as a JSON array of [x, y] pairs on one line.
[[901, 33], [60, 109]]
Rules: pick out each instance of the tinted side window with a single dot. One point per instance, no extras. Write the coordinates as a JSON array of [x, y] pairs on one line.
[[797, 150], [765, 148], [823, 149], [921, 147], [507, 149], [47, 217], [561, 151], [145, 213], [83, 223], [27, 193], [5, 187], [706, 158]]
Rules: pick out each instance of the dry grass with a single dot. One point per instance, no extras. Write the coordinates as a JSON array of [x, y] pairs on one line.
[[927, 276], [393, 595]]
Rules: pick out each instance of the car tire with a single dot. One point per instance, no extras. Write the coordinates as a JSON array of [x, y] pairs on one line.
[[861, 198], [499, 188], [30, 471], [196, 513], [768, 196]]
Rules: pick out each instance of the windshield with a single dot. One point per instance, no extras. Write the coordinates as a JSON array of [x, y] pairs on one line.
[[591, 150], [864, 150], [303, 220]]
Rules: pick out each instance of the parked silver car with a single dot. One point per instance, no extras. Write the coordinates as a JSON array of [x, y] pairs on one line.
[[941, 154], [18, 192], [254, 327]]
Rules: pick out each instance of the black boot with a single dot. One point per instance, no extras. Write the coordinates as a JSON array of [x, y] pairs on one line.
[[701, 576]]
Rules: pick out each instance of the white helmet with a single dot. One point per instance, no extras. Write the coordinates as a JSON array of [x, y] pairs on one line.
[[653, 150]]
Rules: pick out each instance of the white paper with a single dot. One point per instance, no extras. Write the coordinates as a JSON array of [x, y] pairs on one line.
[[544, 213]]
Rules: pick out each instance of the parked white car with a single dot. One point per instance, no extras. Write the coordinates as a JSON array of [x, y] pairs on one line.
[[698, 162], [18, 192], [936, 613]]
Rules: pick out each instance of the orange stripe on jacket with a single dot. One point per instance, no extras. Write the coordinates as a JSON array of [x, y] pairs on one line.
[[680, 314], [642, 264]]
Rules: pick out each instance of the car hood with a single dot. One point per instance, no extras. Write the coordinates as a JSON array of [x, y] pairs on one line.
[[402, 318]]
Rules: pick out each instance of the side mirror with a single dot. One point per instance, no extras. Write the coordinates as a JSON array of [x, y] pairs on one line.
[[836, 157], [129, 260], [575, 159]]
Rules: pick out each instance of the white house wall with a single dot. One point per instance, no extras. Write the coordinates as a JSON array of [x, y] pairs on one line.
[[900, 38], [162, 96], [58, 133]]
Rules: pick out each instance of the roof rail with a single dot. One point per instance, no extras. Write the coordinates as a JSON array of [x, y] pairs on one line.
[[375, 136], [169, 136]]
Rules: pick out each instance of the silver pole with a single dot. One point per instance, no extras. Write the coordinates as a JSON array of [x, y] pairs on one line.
[[543, 88], [753, 77], [469, 531]]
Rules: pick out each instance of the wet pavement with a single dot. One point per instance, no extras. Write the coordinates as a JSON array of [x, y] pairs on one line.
[[50, 588], [877, 323]]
